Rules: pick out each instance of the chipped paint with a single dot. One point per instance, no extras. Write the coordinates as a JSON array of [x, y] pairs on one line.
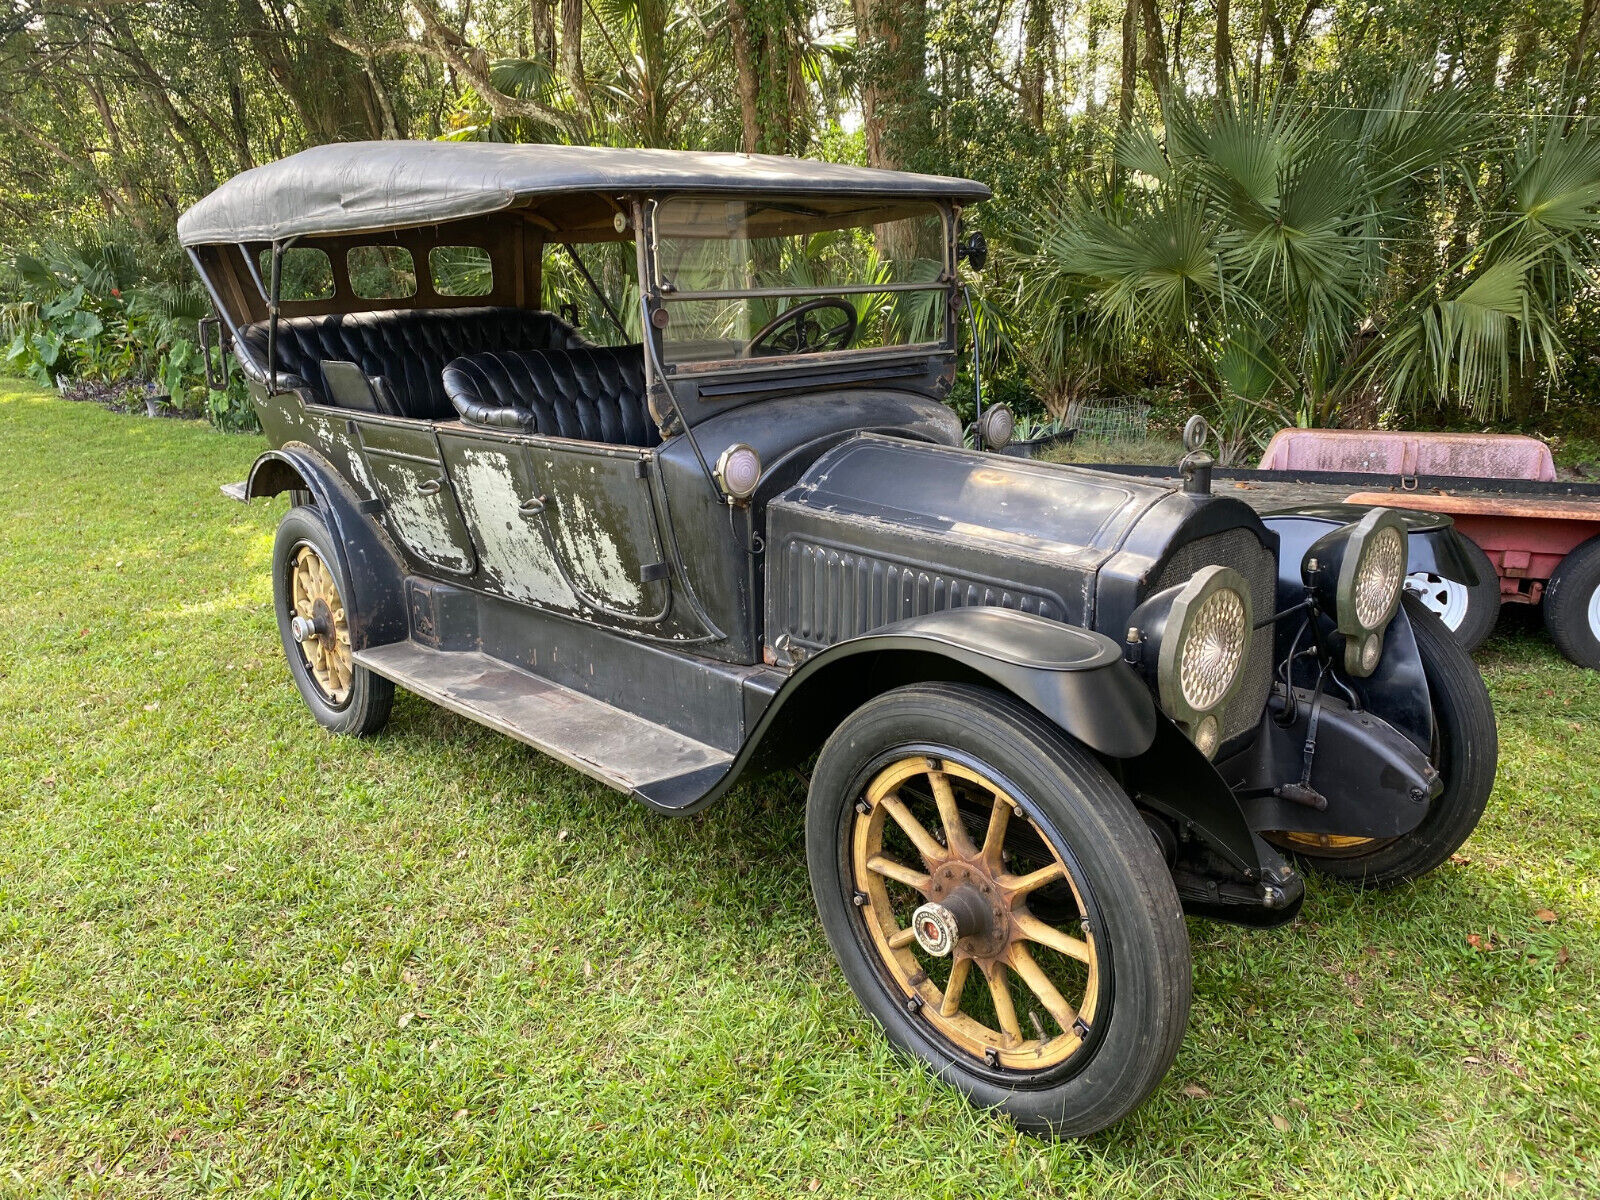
[[512, 550], [594, 556], [423, 524]]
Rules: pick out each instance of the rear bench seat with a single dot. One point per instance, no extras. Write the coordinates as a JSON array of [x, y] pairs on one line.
[[593, 393], [407, 348]]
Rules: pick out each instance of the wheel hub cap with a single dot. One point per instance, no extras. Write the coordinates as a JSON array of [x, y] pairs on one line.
[[936, 928]]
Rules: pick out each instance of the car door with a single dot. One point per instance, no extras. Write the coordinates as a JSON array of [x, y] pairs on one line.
[[562, 523], [600, 515], [405, 469]]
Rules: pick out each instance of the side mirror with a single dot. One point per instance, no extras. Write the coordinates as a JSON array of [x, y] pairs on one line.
[[974, 248]]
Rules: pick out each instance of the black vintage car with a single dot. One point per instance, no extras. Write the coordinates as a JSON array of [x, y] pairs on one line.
[[641, 457]]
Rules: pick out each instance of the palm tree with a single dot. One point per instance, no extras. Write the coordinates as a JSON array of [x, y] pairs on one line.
[[1272, 255]]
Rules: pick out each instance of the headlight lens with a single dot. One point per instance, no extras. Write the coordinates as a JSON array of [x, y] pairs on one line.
[[1379, 576], [1357, 573], [1212, 651], [1200, 633]]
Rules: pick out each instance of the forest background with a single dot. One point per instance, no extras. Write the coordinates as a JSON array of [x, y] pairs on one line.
[[1351, 213]]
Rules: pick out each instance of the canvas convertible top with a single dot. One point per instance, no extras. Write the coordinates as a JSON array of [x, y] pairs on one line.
[[353, 187]]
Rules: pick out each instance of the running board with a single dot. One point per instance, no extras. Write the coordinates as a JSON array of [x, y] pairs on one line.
[[664, 769]]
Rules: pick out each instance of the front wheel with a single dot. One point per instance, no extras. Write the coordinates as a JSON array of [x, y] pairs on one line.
[[999, 906], [1465, 752]]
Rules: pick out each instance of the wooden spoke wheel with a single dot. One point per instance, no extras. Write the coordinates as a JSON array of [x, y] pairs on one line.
[[319, 625], [314, 622], [998, 905], [948, 863]]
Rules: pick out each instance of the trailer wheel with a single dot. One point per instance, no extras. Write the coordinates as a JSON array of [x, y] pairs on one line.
[[998, 905], [1466, 752], [1572, 605], [1469, 613]]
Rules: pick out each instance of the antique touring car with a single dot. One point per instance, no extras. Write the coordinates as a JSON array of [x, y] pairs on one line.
[[641, 457]]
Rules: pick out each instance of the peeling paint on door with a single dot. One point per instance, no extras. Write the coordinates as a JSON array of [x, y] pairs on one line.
[[513, 552]]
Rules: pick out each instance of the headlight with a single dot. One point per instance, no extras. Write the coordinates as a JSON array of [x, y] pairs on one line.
[[1358, 573], [1200, 632]]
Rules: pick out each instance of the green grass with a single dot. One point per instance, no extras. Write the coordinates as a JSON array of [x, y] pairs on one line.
[[239, 956]]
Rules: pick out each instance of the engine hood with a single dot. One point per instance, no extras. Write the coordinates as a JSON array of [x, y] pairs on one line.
[[1061, 515], [879, 529]]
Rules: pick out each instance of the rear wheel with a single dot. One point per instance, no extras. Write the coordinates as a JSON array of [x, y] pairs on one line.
[[1572, 605], [1468, 611], [998, 905], [1465, 752], [314, 625]]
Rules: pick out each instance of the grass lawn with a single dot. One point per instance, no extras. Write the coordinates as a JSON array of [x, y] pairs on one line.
[[239, 956]]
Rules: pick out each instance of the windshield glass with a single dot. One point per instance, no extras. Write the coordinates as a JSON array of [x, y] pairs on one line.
[[752, 278]]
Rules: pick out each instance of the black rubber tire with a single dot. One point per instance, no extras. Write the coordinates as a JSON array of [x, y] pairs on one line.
[[1467, 754], [366, 709], [1075, 802], [1483, 600], [1567, 598]]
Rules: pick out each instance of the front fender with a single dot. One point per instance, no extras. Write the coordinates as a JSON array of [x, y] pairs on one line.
[[368, 565], [1432, 543], [1074, 676]]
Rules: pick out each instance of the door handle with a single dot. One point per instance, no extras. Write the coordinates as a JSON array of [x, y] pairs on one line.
[[429, 487], [533, 507]]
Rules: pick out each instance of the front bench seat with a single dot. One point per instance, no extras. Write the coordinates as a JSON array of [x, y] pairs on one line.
[[593, 394], [406, 348]]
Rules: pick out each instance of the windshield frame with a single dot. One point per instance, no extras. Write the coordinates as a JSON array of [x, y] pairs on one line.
[[658, 294]]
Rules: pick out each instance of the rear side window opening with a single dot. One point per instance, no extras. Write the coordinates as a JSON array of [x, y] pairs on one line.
[[460, 271], [305, 273], [381, 272]]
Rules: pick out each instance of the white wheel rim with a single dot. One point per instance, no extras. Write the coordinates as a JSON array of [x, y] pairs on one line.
[[1594, 613], [1448, 600]]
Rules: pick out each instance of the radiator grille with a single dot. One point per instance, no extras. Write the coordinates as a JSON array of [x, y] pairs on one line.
[[832, 594], [1239, 549]]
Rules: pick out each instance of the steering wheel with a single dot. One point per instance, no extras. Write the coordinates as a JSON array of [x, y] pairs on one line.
[[797, 331]]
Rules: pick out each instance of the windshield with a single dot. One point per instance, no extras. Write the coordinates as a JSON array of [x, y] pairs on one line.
[[755, 278]]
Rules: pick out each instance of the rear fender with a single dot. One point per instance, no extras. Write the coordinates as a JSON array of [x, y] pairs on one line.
[[367, 564]]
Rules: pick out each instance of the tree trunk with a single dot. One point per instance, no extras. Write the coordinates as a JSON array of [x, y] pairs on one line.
[[1130, 64], [892, 35], [1035, 36], [542, 32], [1154, 60], [746, 83], [1290, 70], [1090, 75], [1222, 61], [572, 51], [1578, 56]]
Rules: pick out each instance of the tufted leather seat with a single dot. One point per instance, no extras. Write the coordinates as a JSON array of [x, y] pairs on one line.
[[595, 394], [408, 348]]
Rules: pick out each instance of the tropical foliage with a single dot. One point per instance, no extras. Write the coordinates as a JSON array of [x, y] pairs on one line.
[[1269, 210]]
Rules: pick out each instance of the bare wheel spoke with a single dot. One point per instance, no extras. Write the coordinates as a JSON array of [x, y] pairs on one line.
[[1011, 1032], [903, 939], [995, 839], [1039, 984], [1021, 885], [951, 1004], [955, 833], [890, 869], [1035, 930], [927, 845]]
